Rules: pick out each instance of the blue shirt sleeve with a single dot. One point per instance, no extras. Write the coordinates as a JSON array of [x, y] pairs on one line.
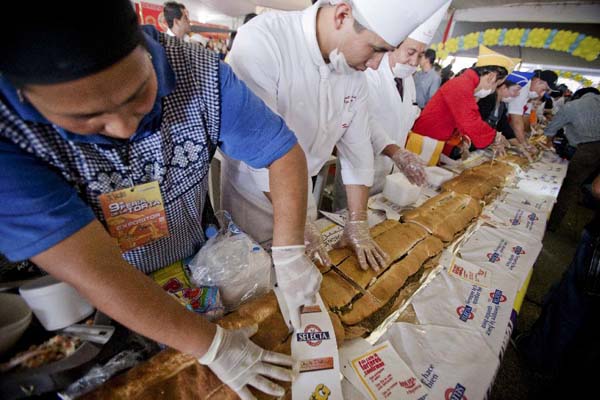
[[39, 208], [250, 131]]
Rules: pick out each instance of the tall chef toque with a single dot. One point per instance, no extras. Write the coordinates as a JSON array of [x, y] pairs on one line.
[[424, 33], [393, 20], [60, 42]]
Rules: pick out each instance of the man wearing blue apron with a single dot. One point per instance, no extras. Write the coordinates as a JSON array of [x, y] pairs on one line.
[[105, 127]]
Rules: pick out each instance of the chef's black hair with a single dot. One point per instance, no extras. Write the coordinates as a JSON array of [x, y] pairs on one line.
[[172, 10], [501, 72]]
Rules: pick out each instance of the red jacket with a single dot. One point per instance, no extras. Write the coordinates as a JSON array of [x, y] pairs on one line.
[[452, 107]]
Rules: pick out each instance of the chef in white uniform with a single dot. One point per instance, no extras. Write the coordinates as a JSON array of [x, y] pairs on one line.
[[391, 114], [305, 66]]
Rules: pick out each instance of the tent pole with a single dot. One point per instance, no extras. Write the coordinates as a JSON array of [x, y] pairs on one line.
[[449, 27]]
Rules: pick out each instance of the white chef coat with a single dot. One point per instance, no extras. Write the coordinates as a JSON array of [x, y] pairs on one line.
[[390, 116], [519, 104], [278, 57]]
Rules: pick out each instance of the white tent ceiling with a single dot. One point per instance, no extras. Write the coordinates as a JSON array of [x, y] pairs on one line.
[[579, 12], [586, 12], [469, 16], [467, 10]]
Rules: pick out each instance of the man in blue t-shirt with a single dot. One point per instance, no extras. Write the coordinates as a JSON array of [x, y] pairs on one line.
[[99, 107]]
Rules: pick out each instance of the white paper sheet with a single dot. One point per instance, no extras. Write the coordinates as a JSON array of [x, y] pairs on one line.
[[450, 301], [378, 372], [453, 363], [515, 218], [509, 250]]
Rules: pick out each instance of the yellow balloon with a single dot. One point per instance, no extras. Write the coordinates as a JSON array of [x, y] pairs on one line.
[[491, 36], [513, 37]]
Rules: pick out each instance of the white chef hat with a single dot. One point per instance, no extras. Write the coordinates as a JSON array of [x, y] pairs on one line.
[[424, 33], [393, 20]]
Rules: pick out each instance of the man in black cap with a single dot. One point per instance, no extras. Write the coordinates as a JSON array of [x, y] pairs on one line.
[[100, 121], [541, 83]]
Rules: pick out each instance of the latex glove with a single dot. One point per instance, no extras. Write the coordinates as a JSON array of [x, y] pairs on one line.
[[531, 149], [499, 146], [297, 278], [238, 363], [549, 144], [524, 151], [315, 246], [356, 235], [464, 151], [411, 166], [464, 146], [527, 150]]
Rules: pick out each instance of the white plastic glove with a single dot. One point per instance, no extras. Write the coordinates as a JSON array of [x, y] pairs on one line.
[[238, 362], [524, 151], [411, 166], [531, 149], [356, 235], [464, 146], [297, 278], [315, 246], [499, 146]]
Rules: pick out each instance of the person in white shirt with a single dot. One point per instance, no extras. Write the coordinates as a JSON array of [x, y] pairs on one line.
[[541, 83], [178, 20], [393, 113], [305, 65], [393, 110]]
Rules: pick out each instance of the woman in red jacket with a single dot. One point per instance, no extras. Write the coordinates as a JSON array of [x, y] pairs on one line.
[[453, 109]]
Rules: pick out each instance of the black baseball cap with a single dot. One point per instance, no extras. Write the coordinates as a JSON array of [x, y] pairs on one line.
[[548, 76]]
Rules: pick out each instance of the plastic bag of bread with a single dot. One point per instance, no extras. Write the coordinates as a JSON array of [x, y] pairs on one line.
[[234, 263]]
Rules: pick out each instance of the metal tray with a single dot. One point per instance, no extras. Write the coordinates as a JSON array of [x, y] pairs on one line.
[[53, 376]]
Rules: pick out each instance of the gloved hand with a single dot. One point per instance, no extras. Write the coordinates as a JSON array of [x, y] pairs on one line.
[[411, 166], [531, 149], [524, 152], [315, 246], [238, 362], [297, 278], [528, 150], [356, 235], [499, 146], [464, 146]]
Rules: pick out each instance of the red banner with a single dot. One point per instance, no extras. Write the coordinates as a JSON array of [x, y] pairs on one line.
[[151, 14]]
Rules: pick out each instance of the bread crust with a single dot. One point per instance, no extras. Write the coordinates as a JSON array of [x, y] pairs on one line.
[[392, 281], [336, 292], [445, 215], [157, 370]]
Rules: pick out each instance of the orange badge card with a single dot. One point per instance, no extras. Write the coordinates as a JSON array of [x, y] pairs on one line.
[[135, 216]]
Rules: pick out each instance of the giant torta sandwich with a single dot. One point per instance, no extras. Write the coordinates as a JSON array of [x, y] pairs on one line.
[[358, 301], [174, 375], [482, 182], [363, 299], [446, 215]]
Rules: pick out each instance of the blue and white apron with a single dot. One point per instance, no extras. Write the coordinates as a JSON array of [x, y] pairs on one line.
[[177, 155]]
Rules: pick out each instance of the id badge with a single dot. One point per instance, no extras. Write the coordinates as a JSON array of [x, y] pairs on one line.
[[135, 216]]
